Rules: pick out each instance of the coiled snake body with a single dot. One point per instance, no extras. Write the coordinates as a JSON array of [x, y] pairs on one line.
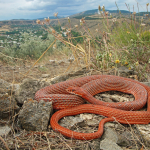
[[124, 112]]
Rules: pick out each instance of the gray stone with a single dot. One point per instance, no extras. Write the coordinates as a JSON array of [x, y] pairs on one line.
[[111, 135], [35, 115], [4, 84], [71, 60], [62, 62], [125, 139], [70, 121], [8, 106], [146, 83], [108, 144], [124, 71], [52, 61], [4, 130], [145, 129], [71, 74], [6, 87], [45, 75], [59, 78], [92, 122], [28, 88], [145, 132]]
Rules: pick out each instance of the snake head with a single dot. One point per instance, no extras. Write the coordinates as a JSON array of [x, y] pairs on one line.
[[76, 90]]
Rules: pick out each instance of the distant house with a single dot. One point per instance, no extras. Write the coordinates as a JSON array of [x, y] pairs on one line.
[[65, 33]]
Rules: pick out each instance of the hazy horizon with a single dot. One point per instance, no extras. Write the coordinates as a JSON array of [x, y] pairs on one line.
[[33, 9]]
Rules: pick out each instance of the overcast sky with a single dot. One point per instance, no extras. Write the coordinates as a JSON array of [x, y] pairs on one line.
[[33, 9]]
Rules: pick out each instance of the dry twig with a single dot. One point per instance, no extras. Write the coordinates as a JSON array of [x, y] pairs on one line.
[[4, 143]]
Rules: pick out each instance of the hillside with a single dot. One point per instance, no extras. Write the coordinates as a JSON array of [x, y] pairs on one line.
[[94, 21], [95, 11], [80, 15]]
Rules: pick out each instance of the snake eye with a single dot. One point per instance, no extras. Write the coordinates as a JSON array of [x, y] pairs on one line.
[[72, 90]]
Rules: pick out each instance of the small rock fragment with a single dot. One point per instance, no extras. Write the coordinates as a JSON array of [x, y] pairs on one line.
[[108, 144], [86, 116], [145, 132], [110, 134], [4, 130], [70, 121]]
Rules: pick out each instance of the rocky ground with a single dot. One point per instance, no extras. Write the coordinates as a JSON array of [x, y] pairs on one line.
[[24, 122]]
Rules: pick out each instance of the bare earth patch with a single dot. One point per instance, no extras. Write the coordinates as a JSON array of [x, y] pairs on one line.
[[116, 135]]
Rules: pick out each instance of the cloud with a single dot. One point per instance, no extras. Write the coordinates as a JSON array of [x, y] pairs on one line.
[[30, 9], [46, 4], [29, 0]]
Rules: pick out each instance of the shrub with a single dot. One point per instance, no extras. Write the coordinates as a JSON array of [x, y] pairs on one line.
[[31, 47]]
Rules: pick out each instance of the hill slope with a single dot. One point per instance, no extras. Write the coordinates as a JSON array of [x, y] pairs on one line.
[[95, 11]]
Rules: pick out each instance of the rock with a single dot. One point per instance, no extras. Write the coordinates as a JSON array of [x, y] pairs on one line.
[[79, 72], [28, 88], [116, 98], [94, 121], [71, 121], [106, 99], [8, 106], [52, 61], [108, 144], [145, 132], [45, 75], [86, 116], [9, 88], [4, 130], [124, 71], [111, 140], [61, 62], [111, 135], [71, 60], [146, 83], [112, 125], [4, 84], [125, 139], [95, 144], [145, 129], [61, 78], [35, 116]]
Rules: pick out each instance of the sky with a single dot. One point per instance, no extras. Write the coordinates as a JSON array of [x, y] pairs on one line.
[[33, 9]]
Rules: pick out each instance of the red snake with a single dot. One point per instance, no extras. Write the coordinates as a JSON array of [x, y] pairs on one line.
[[61, 96]]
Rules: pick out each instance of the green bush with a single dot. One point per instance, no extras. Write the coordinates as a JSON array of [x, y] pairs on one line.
[[32, 47]]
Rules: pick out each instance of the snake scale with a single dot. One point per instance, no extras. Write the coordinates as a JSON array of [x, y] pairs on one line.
[[71, 94]]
